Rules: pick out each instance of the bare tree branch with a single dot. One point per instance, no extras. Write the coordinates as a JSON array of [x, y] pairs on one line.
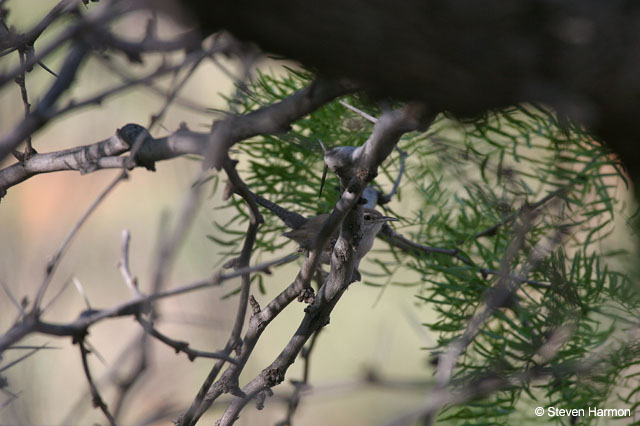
[[385, 198], [15, 41], [123, 265], [300, 385], [97, 399], [43, 112], [105, 154], [271, 119], [31, 323]]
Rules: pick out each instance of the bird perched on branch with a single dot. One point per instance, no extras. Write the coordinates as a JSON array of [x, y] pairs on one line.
[[305, 230]]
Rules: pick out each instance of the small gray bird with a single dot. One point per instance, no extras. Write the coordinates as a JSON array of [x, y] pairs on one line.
[[304, 230]]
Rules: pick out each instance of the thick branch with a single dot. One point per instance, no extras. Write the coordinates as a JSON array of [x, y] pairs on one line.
[[274, 118], [104, 155]]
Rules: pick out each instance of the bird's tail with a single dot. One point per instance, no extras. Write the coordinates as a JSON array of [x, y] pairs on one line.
[[292, 219]]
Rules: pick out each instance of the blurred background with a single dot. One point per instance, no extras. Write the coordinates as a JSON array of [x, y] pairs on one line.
[[36, 215]]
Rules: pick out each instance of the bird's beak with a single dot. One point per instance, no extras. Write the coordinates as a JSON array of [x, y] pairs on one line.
[[388, 219]]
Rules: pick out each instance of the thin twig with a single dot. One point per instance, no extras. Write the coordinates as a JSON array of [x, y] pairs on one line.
[[30, 36], [22, 83], [43, 111], [384, 199], [255, 220], [358, 111], [23, 357], [80, 288], [137, 346], [544, 200], [403, 243], [95, 394], [123, 265], [302, 385], [180, 346], [55, 261], [13, 300]]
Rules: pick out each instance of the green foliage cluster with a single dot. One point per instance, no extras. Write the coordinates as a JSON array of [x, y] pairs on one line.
[[473, 186]]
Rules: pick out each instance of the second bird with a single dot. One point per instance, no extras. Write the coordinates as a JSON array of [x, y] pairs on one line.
[[304, 230]]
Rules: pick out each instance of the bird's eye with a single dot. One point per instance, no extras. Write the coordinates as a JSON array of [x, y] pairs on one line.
[[367, 217]]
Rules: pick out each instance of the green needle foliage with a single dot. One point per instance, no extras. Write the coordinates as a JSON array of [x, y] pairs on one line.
[[518, 194]]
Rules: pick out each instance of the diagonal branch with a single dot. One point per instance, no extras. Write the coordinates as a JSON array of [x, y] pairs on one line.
[[499, 297], [271, 119], [95, 394]]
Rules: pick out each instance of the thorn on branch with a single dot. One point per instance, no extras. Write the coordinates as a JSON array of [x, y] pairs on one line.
[[228, 191], [179, 345], [123, 265], [47, 69], [232, 263], [255, 307]]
